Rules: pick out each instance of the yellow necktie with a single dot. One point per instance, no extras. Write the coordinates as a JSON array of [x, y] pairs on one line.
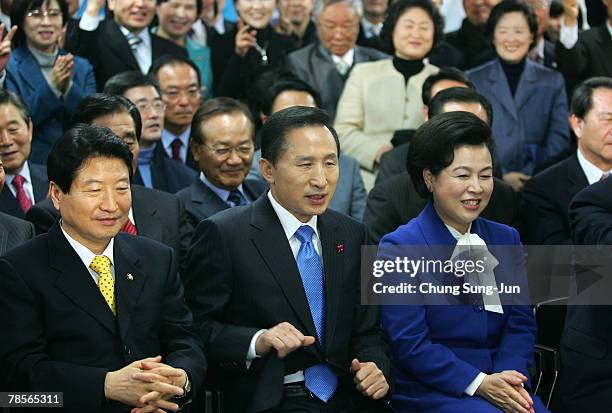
[[106, 284]]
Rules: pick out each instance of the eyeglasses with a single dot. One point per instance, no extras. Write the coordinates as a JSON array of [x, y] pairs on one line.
[[225, 152], [41, 14], [193, 93], [156, 106]]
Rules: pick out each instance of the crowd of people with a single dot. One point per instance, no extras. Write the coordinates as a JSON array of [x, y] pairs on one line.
[[187, 187]]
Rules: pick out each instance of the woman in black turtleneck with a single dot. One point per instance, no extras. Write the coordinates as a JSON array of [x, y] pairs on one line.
[[383, 97], [529, 101], [238, 56]]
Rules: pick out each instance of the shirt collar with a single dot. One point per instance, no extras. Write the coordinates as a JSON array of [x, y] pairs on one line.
[[348, 57], [168, 137], [44, 59], [370, 28], [25, 172], [84, 253], [539, 48], [456, 234], [290, 223], [144, 35], [593, 173], [609, 26], [221, 193]]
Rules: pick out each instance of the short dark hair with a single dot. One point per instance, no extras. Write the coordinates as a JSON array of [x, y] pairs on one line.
[[297, 85], [582, 98], [434, 143], [274, 132], [198, 3], [172, 60], [12, 98], [20, 8], [215, 107], [556, 9], [445, 73], [122, 82], [397, 9], [459, 94], [100, 104], [511, 6], [79, 144]]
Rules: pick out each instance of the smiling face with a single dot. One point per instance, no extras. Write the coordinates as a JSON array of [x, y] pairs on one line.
[[255, 13], [134, 15], [304, 178], [97, 204], [594, 132], [512, 37], [413, 34], [41, 32], [176, 17], [462, 190], [15, 138]]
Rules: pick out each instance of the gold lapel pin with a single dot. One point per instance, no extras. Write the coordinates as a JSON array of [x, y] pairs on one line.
[[130, 277]]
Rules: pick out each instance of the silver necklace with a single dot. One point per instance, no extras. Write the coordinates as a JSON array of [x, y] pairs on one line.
[[262, 52]]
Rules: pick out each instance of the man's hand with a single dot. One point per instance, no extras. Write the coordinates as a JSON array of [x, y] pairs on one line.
[[94, 7], [245, 39], [516, 180], [505, 390], [124, 387], [158, 372], [5, 45], [284, 338], [370, 380], [570, 12], [61, 75]]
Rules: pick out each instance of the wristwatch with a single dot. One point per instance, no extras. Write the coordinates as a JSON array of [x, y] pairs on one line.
[[186, 388]]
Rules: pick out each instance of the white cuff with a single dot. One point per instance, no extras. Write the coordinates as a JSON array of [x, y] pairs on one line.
[[2, 77], [475, 384], [252, 353], [88, 23], [568, 36]]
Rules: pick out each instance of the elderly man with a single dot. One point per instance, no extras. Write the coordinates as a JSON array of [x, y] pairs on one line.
[[543, 52], [294, 21], [325, 65]]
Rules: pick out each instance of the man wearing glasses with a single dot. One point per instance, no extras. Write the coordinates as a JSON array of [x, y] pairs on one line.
[[155, 169], [222, 144]]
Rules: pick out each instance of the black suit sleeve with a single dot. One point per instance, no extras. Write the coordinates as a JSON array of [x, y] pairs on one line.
[[380, 216], [185, 226], [590, 215], [43, 215], [542, 221]]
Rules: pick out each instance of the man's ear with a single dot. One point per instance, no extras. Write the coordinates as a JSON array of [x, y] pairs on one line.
[[576, 124], [55, 193], [425, 110], [111, 5], [267, 170], [195, 150]]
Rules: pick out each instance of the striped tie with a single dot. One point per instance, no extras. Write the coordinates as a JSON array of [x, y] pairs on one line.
[[133, 40]]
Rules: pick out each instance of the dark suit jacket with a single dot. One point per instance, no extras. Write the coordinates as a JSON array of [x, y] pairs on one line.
[[586, 355], [314, 65], [394, 202], [109, 52], [159, 216], [166, 174], [68, 339], [13, 232], [201, 202], [40, 186], [471, 41], [243, 277], [591, 56]]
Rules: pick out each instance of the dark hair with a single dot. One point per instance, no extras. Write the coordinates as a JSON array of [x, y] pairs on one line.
[[215, 107], [269, 97], [434, 143], [397, 9], [20, 8], [511, 6], [99, 104], [556, 9], [274, 132], [459, 94], [199, 7], [445, 73], [122, 82], [172, 60], [12, 98], [79, 144], [582, 98]]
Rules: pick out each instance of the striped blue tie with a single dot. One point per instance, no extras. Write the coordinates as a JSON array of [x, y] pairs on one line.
[[133, 41], [319, 379]]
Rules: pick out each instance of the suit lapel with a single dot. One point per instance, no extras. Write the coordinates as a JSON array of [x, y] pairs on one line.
[[145, 215], [526, 86], [206, 200], [9, 204], [40, 182], [129, 281], [3, 238], [75, 281], [29, 69], [118, 44], [576, 177], [499, 85]]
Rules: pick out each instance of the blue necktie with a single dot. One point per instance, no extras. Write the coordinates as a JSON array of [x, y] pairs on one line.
[[319, 379], [236, 198]]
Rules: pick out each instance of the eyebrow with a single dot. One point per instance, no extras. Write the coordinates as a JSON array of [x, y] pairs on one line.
[[470, 169]]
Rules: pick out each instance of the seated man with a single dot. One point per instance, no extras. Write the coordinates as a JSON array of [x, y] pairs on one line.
[[100, 315], [13, 231], [155, 168], [222, 144], [26, 184]]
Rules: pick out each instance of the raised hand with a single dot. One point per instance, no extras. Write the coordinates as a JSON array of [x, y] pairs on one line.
[[5, 45], [61, 74], [245, 39], [283, 337]]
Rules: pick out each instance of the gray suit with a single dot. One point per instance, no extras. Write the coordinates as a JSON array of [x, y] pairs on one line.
[[13, 232], [314, 65]]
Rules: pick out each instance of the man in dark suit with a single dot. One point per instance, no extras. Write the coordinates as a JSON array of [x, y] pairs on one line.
[[325, 65], [154, 214], [256, 286], [394, 201], [222, 144], [26, 183], [100, 315], [543, 52], [373, 16], [546, 197], [119, 43], [155, 168], [13, 231]]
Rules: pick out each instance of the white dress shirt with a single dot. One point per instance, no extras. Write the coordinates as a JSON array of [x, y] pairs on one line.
[[593, 173], [27, 182], [568, 36], [87, 256], [370, 29], [348, 57]]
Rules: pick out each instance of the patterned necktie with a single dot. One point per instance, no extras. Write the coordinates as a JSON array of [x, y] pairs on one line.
[[176, 150], [319, 379], [342, 67], [133, 41], [25, 203], [106, 284], [604, 176], [129, 227], [236, 198]]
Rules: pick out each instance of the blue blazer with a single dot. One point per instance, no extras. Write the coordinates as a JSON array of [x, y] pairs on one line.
[[438, 350], [531, 126], [50, 115]]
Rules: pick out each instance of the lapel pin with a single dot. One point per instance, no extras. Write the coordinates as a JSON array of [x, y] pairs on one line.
[[340, 248], [129, 277]]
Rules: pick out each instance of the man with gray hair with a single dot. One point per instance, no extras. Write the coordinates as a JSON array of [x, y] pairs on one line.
[[325, 65]]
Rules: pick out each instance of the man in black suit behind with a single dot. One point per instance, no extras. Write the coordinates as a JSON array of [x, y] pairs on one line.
[[222, 144], [282, 335], [96, 314], [13, 231]]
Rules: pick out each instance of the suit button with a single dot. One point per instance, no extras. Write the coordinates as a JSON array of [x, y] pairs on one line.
[[127, 350], [478, 308]]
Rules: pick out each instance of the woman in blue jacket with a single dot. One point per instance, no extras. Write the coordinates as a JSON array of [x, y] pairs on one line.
[[50, 81], [465, 356]]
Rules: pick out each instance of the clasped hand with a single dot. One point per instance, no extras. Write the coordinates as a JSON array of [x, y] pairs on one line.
[[505, 390], [147, 384]]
